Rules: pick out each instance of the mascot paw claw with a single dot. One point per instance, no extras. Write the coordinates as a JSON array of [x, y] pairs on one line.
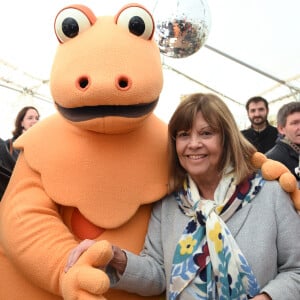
[[84, 280], [275, 170]]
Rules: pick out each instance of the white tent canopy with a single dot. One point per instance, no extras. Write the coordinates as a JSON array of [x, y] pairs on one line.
[[253, 49]]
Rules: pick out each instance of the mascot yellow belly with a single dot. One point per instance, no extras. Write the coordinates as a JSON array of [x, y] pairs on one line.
[[93, 169]]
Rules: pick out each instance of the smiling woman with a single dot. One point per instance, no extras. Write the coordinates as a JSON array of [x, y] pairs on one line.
[[201, 242], [199, 152]]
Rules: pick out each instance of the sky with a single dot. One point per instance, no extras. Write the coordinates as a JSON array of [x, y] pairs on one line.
[[262, 33]]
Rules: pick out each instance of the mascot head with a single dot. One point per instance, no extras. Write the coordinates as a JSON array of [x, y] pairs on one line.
[[107, 73]]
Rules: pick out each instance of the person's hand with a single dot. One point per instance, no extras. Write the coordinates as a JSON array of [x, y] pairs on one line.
[[262, 296], [119, 260], [84, 279], [77, 251]]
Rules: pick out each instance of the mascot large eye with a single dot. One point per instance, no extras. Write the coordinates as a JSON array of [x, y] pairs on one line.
[[137, 20], [73, 20]]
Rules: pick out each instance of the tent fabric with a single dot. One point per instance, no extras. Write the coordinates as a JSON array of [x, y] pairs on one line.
[[252, 49]]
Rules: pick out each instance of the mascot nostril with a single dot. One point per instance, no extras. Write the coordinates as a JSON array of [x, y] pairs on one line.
[[123, 83], [83, 82]]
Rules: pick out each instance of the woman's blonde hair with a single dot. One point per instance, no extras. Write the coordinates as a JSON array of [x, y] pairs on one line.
[[237, 151]]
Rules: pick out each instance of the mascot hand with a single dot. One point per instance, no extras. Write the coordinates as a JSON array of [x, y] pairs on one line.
[[85, 280], [273, 170]]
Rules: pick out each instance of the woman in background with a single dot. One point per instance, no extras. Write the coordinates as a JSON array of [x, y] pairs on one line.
[[25, 119]]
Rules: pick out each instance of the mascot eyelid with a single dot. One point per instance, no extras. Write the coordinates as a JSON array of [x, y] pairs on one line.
[[137, 20], [71, 21]]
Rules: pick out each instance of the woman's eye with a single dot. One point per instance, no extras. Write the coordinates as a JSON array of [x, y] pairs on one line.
[[182, 134], [206, 134]]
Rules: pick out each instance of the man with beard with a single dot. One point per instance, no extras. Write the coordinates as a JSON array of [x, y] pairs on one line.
[[261, 134]]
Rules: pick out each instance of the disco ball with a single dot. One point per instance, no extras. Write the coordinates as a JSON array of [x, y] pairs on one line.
[[182, 27]]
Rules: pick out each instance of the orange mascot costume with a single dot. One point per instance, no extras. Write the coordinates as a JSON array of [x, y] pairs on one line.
[[93, 169]]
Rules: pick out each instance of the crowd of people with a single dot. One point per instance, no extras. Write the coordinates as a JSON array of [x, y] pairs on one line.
[[281, 143]]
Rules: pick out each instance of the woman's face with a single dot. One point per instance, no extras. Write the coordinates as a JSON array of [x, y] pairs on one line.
[[199, 150], [31, 117]]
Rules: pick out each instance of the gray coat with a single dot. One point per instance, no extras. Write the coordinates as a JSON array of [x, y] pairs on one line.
[[266, 230]]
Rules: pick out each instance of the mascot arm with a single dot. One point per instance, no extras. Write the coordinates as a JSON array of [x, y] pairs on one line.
[[275, 170], [38, 243]]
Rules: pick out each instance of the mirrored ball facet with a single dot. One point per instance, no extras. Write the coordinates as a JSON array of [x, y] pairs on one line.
[[182, 26]]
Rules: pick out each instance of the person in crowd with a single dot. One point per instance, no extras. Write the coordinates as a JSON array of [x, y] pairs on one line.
[[287, 148], [261, 134], [25, 119], [222, 232]]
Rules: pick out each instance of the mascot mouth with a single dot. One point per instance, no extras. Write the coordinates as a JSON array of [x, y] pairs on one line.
[[77, 114]]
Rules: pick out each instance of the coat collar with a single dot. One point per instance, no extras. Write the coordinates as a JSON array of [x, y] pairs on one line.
[[236, 222]]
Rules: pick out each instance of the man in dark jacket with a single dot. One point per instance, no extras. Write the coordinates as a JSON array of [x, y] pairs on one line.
[[261, 134], [287, 149]]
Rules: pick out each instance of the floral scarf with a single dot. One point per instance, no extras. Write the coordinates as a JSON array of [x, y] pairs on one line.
[[208, 263]]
